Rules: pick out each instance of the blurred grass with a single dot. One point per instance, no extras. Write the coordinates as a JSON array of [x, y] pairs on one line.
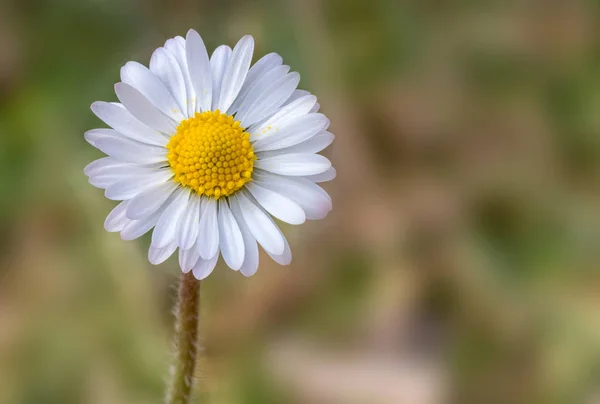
[[464, 243]]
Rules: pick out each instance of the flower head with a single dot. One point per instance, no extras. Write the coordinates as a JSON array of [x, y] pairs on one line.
[[205, 150]]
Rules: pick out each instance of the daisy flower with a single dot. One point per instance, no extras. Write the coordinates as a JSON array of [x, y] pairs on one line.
[[206, 150]]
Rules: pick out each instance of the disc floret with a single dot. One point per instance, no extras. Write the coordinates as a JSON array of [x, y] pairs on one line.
[[211, 154]]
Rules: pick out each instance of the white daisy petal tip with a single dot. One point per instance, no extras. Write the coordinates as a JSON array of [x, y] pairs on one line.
[[277, 204], [260, 224], [94, 106], [203, 267], [188, 258], [116, 220], [90, 137], [328, 175], [205, 149], [247, 41], [157, 256]]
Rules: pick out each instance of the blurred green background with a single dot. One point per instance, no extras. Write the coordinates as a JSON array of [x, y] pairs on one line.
[[460, 263]]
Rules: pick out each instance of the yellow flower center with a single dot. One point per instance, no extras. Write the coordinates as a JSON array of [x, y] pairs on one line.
[[211, 154]]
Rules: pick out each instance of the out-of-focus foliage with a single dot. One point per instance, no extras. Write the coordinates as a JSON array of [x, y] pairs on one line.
[[460, 263]]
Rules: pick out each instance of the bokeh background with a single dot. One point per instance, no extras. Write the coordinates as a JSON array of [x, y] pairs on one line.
[[460, 263]]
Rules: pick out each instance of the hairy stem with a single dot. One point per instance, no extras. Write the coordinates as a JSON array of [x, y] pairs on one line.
[[186, 340]]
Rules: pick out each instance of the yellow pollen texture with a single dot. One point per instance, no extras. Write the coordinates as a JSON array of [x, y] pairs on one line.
[[211, 154]]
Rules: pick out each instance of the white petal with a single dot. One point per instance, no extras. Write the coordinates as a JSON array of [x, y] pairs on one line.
[[110, 175], [92, 136], [295, 132], [177, 47], [151, 87], [118, 168], [189, 224], [159, 255], [137, 228], [116, 219], [203, 268], [116, 116], [236, 72], [124, 149], [199, 69], [250, 265], [280, 206], [257, 88], [90, 139], [188, 258], [103, 164], [103, 182], [296, 95], [313, 145], [143, 110], [297, 164], [208, 232], [125, 170], [288, 113], [166, 67], [272, 98], [166, 228], [322, 177], [230, 237], [262, 227], [218, 63], [106, 171], [302, 93], [106, 181], [147, 202], [131, 186], [312, 198], [258, 70], [285, 257], [262, 65]]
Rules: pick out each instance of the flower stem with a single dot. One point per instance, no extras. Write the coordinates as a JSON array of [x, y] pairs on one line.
[[186, 340]]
